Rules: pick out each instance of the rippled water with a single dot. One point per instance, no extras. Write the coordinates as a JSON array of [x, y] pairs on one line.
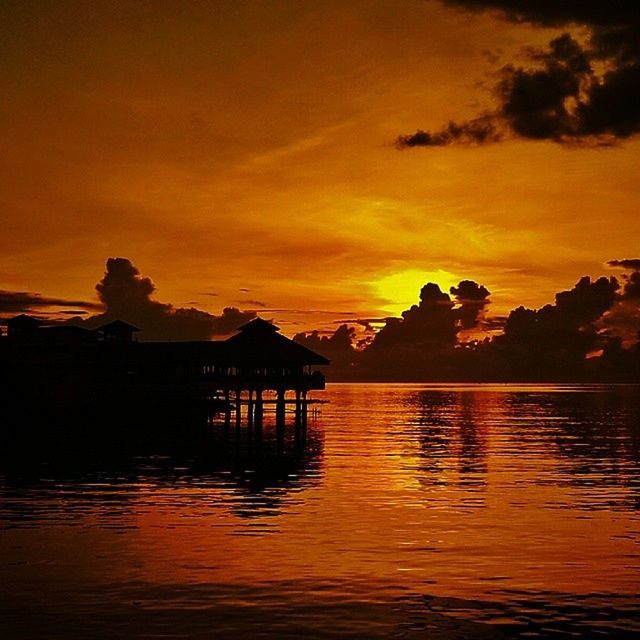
[[415, 511]]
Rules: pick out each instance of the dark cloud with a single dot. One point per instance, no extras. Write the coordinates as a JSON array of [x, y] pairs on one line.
[[337, 346], [430, 323], [553, 342], [632, 286], [631, 290], [559, 96], [560, 12], [478, 131], [631, 264], [587, 301], [623, 321], [337, 341], [25, 302], [254, 303], [472, 299], [126, 295]]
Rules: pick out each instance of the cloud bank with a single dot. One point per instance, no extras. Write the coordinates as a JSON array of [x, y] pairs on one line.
[[590, 332], [14, 302]]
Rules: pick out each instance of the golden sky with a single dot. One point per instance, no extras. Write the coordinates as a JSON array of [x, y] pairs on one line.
[[232, 145]]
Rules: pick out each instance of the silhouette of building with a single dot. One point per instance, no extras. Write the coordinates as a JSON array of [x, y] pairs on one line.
[[118, 331], [23, 326], [64, 363]]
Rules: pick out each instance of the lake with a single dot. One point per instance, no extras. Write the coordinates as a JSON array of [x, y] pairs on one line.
[[414, 511]]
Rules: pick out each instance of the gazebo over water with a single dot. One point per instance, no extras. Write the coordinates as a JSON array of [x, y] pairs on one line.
[[254, 367], [258, 358]]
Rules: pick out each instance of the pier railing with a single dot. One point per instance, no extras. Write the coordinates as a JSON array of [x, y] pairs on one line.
[[252, 380]]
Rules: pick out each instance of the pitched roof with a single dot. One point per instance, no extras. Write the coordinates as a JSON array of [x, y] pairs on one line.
[[117, 325], [259, 344], [258, 325], [23, 320]]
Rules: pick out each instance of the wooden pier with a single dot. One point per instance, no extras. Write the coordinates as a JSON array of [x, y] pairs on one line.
[[239, 378]]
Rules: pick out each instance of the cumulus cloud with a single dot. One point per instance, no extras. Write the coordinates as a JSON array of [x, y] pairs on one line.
[[632, 280], [560, 96], [633, 264], [563, 333], [127, 295], [335, 345], [472, 299], [431, 322], [437, 319], [623, 320]]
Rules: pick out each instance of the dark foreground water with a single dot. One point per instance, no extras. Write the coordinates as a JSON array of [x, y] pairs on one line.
[[415, 512]]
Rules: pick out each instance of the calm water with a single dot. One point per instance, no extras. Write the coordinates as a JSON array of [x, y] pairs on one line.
[[416, 511]]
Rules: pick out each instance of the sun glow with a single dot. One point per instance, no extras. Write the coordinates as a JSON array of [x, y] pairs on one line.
[[401, 290]]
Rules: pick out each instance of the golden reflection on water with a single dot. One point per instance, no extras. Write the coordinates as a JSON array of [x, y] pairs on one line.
[[448, 494]]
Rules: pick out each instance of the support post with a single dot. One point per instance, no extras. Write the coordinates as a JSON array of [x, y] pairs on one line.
[[250, 413], [298, 410], [238, 411], [227, 413], [305, 409], [280, 416], [259, 412]]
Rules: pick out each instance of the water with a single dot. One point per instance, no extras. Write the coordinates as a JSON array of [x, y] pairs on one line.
[[416, 511]]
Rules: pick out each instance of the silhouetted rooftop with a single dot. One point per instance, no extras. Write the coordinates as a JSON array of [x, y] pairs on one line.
[[118, 326], [23, 320], [259, 344], [258, 325]]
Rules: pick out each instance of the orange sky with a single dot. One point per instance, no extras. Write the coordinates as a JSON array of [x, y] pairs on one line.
[[229, 145]]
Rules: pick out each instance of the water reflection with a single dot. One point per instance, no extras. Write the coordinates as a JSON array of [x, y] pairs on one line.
[[415, 511], [449, 427], [594, 436], [71, 468]]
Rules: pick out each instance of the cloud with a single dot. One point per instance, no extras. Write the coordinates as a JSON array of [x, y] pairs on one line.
[[559, 96], [555, 14], [631, 289], [254, 303], [472, 299], [556, 339], [632, 264], [478, 131], [26, 302], [555, 342], [431, 322], [126, 295], [632, 286], [623, 319], [337, 346]]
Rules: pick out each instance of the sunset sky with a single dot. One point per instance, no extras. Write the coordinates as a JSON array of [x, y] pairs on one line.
[[247, 150]]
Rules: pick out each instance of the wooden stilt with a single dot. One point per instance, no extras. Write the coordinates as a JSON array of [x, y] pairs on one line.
[[227, 411], [280, 416], [238, 411], [305, 406], [250, 413], [259, 412]]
